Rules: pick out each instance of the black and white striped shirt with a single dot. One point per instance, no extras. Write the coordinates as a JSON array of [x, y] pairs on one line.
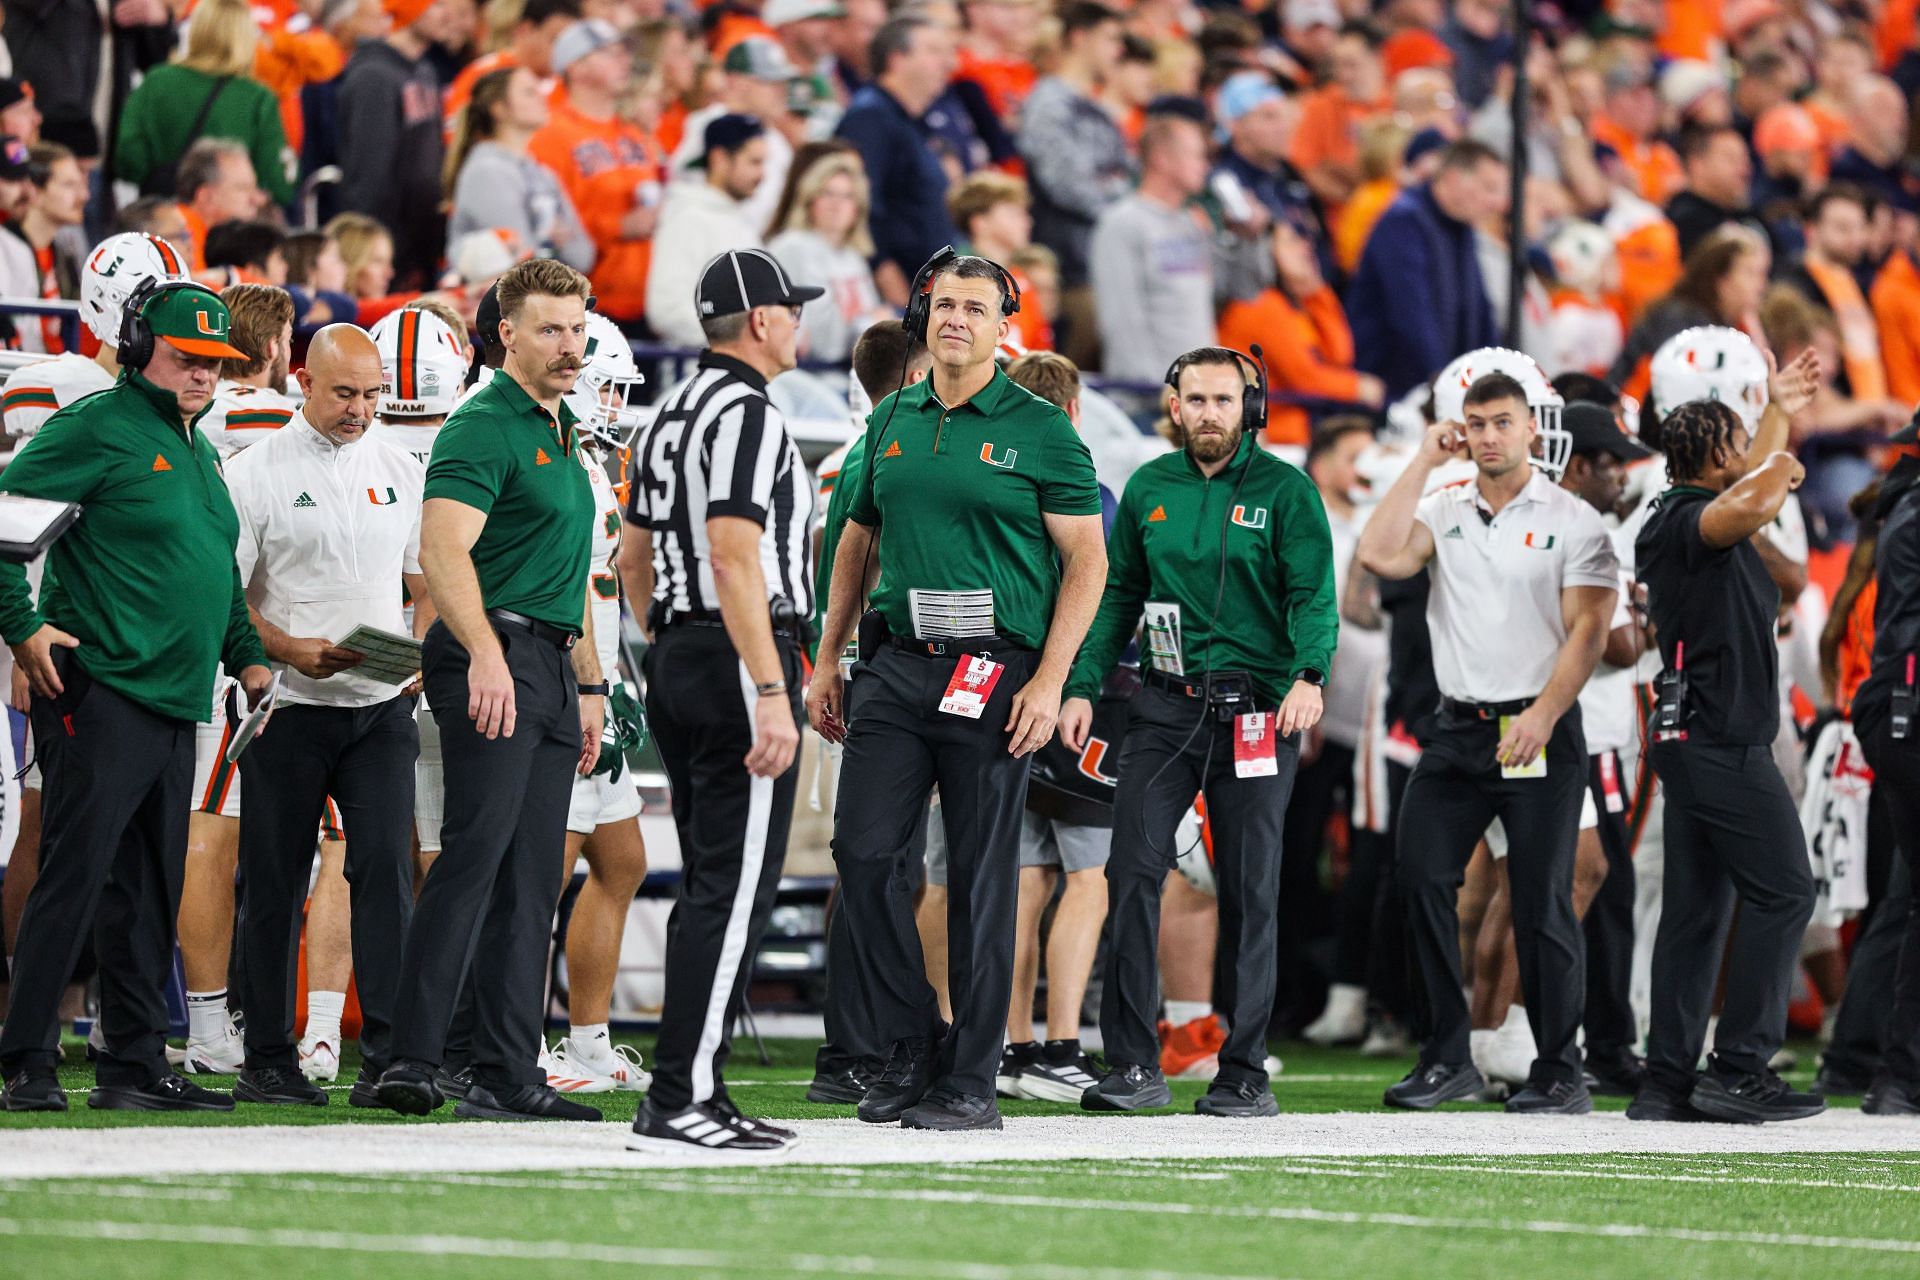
[[717, 447]]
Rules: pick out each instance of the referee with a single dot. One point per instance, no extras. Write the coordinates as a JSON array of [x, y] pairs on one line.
[[506, 541], [991, 564], [726, 505], [1524, 580]]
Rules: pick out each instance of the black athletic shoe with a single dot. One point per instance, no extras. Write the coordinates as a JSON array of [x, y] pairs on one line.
[[950, 1111], [279, 1087], [1665, 1104], [702, 1128], [1560, 1098], [846, 1086], [901, 1083], [520, 1102], [1617, 1073], [168, 1093], [409, 1088], [1129, 1088], [1838, 1082], [1889, 1097], [754, 1122], [453, 1082], [31, 1091], [1430, 1084], [1753, 1098], [1239, 1100], [1015, 1061], [366, 1091]]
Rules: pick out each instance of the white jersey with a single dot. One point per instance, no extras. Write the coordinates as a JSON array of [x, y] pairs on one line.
[[35, 391], [241, 415], [404, 433], [605, 579]]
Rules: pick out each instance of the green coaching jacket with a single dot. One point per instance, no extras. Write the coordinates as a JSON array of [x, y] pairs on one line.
[[147, 579], [1277, 612]]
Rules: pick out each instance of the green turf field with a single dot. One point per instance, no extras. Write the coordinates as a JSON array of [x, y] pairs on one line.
[[1590, 1216]]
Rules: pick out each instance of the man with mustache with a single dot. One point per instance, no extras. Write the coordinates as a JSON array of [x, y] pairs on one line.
[[329, 532]]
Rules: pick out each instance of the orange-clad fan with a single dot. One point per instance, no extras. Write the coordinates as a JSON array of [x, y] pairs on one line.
[[996, 51], [294, 52], [1896, 311], [1326, 149], [520, 35], [1629, 123], [1301, 327], [727, 24], [610, 168]]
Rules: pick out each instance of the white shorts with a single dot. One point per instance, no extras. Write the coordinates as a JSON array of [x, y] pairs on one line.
[[429, 785], [216, 784], [599, 800]]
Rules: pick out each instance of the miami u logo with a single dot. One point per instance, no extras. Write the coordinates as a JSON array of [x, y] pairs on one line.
[[206, 325], [1090, 761], [986, 456], [1544, 543], [1256, 519], [374, 497]]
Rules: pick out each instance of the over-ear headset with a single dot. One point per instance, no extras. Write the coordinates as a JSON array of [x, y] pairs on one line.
[[920, 295], [135, 348], [1253, 403]]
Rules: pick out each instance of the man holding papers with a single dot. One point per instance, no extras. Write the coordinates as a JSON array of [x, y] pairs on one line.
[[329, 532]]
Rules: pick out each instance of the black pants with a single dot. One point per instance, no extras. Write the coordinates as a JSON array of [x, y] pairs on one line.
[[1731, 829], [1896, 768], [1164, 764], [1307, 909], [899, 746], [362, 757], [118, 780], [1858, 1047], [1610, 1023], [490, 895], [851, 1036], [1455, 792], [733, 843]]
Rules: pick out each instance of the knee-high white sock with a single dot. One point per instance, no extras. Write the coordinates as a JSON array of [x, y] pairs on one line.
[[207, 1015], [323, 1015]]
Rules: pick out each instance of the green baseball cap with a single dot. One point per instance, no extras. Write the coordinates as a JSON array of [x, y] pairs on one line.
[[194, 321]]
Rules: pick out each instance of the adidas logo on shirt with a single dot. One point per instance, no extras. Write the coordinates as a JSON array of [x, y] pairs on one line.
[[304, 500], [160, 463], [893, 450], [1157, 515], [540, 458], [1455, 532]]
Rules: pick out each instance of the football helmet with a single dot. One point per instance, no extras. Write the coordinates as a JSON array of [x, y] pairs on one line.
[[604, 394], [1711, 362], [117, 266], [421, 368], [1583, 257], [1450, 399]]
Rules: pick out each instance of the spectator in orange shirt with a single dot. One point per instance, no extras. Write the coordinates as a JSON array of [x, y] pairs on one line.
[[1768, 81], [527, 41], [1629, 124], [1386, 149], [674, 62], [293, 53], [1896, 306], [1844, 63], [216, 184], [1326, 145], [730, 22], [1302, 328], [996, 51], [1132, 86], [994, 213], [610, 168]]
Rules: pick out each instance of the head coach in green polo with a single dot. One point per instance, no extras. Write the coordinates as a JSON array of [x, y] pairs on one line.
[[512, 675], [141, 600], [986, 513]]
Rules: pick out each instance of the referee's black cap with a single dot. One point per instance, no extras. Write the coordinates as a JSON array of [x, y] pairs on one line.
[[742, 279], [1594, 430]]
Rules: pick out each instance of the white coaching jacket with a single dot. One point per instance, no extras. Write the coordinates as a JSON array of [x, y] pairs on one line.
[[326, 531]]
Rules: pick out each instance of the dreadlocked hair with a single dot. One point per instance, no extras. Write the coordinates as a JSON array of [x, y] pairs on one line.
[[1691, 433]]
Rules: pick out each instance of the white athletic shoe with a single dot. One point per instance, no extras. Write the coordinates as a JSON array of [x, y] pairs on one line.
[[1510, 1054], [319, 1060], [1344, 1020], [222, 1057], [566, 1075], [622, 1066]]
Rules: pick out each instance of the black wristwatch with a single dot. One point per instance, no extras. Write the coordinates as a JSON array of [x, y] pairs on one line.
[[1312, 677], [602, 690]]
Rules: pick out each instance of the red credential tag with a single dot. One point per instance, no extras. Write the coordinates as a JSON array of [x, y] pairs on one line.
[[1610, 783], [1253, 745], [971, 686]]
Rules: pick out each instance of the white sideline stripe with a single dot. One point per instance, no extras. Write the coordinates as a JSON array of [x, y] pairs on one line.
[[1606, 1175], [570, 1251]]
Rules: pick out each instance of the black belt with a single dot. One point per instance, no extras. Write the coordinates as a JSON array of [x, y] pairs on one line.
[[1180, 686], [558, 637], [1484, 710], [981, 646], [712, 618]]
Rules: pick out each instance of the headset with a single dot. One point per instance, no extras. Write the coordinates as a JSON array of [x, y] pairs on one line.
[[1253, 408], [920, 293], [135, 348]]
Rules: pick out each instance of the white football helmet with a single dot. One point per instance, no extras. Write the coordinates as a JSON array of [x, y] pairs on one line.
[[421, 368], [117, 266], [1583, 256], [1711, 362], [1450, 399], [604, 395]]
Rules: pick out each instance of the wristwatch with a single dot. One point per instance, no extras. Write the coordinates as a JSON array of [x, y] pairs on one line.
[[602, 690], [1310, 676]]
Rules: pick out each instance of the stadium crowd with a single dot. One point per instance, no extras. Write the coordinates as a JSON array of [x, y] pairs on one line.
[[1721, 202]]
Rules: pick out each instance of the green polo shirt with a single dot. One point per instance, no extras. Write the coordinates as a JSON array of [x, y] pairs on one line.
[[839, 499], [958, 496], [503, 454], [146, 580], [1277, 615]]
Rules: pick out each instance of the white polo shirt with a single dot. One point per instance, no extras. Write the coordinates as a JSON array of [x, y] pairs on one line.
[[1494, 612], [1606, 700], [326, 531]]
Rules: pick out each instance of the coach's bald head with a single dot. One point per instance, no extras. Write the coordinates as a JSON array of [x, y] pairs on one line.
[[342, 382]]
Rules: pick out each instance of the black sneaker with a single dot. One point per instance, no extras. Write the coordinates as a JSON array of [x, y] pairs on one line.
[[1889, 1097], [366, 1090], [1129, 1088], [901, 1083], [1753, 1098], [169, 1093], [950, 1111], [846, 1086], [279, 1087], [34, 1091], [754, 1122], [1060, 1077], [409, 1088], [1560, 1098], [1663, 1103], [520, 1102], [1615, 1073], [1838, 1082], [1015, 1061], [1238, 1099], [703, 1128], [1430, 1084], [453, 1081]]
